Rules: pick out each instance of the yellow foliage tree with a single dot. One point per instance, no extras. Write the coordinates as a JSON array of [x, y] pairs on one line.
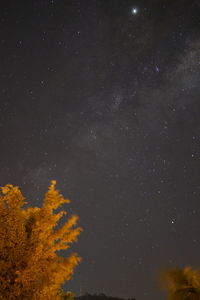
[[30, 268], [182, 284]]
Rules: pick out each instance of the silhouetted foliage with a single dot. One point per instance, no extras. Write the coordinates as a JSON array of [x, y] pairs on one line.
[[98, 297]]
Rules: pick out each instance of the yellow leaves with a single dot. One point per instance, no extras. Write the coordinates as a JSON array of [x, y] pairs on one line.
[[12, 196], [193, 277], [6, 189], [30, 266], [59, 233], [53, 199], [52, 185], [182, 283]]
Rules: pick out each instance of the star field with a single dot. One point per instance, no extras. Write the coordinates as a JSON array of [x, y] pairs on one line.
[[103, 96]]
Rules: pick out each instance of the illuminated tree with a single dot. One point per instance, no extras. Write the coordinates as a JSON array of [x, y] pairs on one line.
[[30, 268], [182, 284]]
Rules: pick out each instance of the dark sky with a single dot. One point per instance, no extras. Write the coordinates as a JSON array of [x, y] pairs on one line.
[[106, 101]]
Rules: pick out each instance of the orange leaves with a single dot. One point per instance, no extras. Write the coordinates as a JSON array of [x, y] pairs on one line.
[[53, 199], [29, 243], [67, 233], [181, 283], [12, 196]]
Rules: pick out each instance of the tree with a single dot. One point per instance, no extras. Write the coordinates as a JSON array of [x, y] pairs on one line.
[[182, 284], [30, 238]]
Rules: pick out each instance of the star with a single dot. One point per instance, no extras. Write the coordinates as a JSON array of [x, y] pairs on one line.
[[135, 11]]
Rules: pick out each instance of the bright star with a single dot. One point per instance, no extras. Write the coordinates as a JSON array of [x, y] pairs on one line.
[[134, 10]]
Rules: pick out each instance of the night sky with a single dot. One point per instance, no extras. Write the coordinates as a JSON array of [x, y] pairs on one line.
[[103, 96]]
